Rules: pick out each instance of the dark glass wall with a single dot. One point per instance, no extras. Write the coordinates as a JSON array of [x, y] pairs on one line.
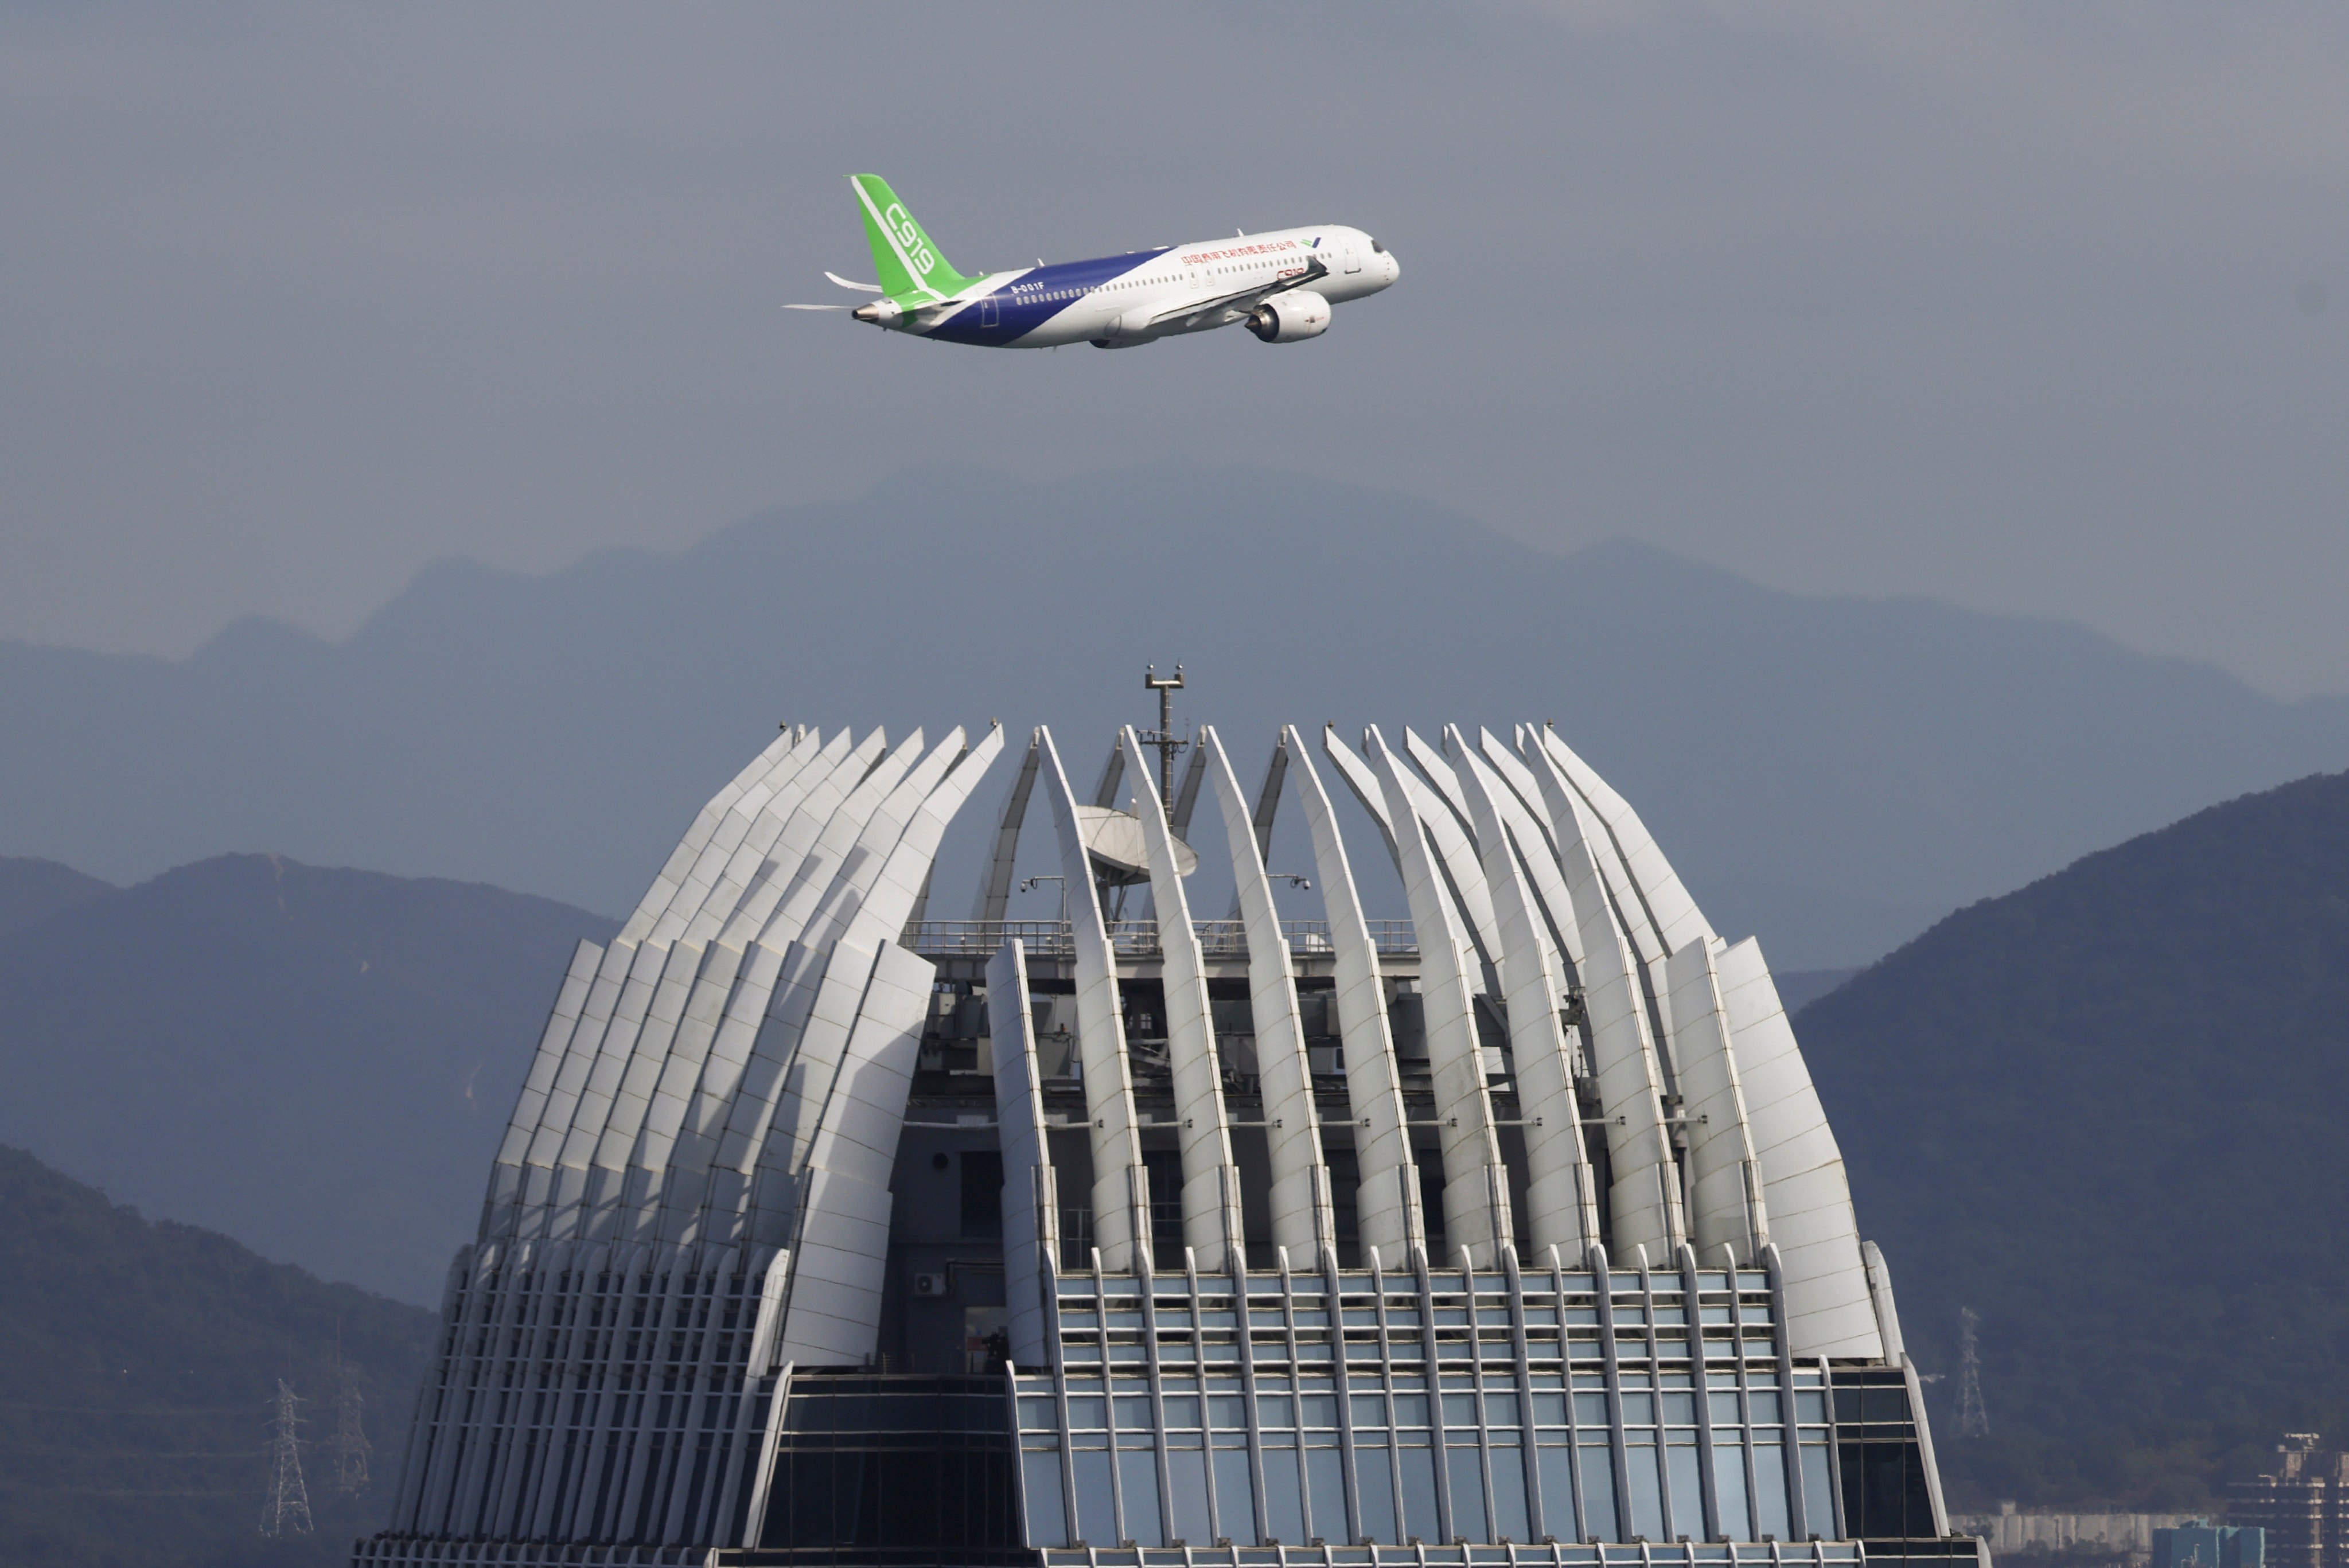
[[894, 1469]]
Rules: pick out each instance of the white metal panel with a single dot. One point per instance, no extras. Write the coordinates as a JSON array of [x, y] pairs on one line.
[[1030, 1209], [794, 985], [1561, 1190], [995, 888], [1671, 913], [1476, 1183], [1363, 783], [699, 1080], [708, 883], [1829, 1308], [1444, 810], [1528, 816], [1387, 1212], [1644, 1195], [1121, 1183], [1726, 1201], [681, 859], [1303, 1219], [505, 1171], [1212, 1227], [842, 1236], [894, 882]]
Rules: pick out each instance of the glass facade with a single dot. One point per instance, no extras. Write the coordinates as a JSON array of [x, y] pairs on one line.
[[1352, 1407]]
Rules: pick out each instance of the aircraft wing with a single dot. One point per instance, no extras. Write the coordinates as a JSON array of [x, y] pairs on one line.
[[1187, 311]]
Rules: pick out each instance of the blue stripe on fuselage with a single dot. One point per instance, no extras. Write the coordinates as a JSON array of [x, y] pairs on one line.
[[1036, 298]]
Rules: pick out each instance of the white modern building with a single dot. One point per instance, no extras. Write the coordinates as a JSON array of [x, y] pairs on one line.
[[827, 1230]]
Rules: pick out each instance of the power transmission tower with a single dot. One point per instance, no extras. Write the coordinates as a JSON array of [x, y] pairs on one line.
[[350, 1441], [1972, 1420], [288, 1508]]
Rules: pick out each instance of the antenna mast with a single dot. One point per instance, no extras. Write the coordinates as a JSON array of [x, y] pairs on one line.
[[288, 1508], [1163, 737], [1973, 1422]]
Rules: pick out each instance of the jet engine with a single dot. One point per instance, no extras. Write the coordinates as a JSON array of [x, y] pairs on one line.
[[1291, 317]]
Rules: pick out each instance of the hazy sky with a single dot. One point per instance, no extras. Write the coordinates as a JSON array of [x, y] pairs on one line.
[[2040, 308]]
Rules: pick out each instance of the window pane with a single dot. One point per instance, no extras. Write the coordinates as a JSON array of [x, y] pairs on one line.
[[1137, 1473], [1729, 1488], [1419, 1493], [1647, 1494], [1596, 1464], [1234, 1495], [1095, 1518], [1284, 1498], [1374, 1494], [1770, 1491], [1046, 1522], [1133, 1413], [1411, 1411], [1557, 1469], [1182, 1409], [1509, 1516], [1325, 1469], [1688, 1491], [1227, 1413], [1186, 1476], [1319, 1410], [1590, 1409], [1370, 1411], [1818, 1501], [1467, 1471]]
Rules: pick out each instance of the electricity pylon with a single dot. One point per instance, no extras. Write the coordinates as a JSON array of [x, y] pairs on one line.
[[350, 1441], [288, 1508], [1972, 1420]]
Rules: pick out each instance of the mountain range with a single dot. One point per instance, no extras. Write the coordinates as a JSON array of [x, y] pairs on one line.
[[1830, 773], [317, 1062], [2104, 1111]]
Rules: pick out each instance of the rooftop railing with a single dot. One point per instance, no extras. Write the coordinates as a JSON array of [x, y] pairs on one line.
[[1134, 939]]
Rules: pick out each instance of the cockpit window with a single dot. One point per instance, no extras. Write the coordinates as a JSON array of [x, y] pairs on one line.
[[1381, 250]]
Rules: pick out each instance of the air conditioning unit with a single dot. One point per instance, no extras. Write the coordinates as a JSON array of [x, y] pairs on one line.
[[929, 1284]]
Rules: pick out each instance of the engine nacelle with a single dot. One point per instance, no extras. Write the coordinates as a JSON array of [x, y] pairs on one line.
[[1290, 317]]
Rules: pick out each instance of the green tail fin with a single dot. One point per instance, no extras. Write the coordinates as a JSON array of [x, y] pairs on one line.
[[902, 252]]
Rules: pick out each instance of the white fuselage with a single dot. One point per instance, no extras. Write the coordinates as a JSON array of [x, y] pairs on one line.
[[1115, 300]]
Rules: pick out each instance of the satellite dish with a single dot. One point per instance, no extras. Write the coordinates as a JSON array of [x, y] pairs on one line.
[[1119, 854]]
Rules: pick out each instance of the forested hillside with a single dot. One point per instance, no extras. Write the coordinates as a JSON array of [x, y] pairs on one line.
[[138, 1361], [317, 1062], [2106, 1112]]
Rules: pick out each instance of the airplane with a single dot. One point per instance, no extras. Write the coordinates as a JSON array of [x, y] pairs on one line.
[[1281, 284]]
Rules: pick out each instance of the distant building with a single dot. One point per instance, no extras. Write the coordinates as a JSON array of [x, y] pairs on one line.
[[829, 1232], [2303, 1507], [2201, 1544], [2012, 1530]]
